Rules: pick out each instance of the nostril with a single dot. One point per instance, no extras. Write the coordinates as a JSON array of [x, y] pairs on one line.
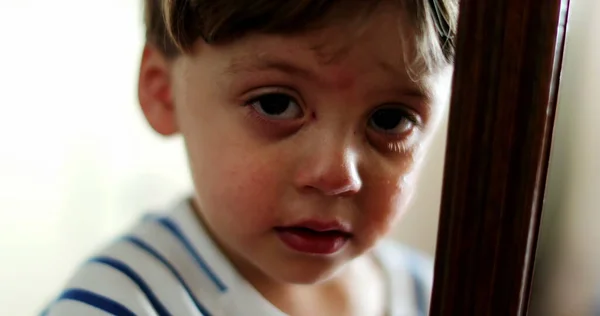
[[348, 189], [330, 171], [330, 181]]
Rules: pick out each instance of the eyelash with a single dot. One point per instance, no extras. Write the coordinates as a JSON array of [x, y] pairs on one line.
[[408, 114], [259, 92], [271, 123], [264, 120], [396, 143]]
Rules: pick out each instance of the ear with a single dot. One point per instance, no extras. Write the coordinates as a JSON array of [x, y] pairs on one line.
[[155, 91]]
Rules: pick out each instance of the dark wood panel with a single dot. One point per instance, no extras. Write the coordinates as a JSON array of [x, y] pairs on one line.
[[501, 118]]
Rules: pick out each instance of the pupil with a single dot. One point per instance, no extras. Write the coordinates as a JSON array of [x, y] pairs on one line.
[[274, 104], [387, 118]]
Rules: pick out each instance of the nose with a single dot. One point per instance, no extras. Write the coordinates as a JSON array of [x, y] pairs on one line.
[[330, 170]]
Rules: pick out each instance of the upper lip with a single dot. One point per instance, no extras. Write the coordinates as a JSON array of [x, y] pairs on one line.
[[321, 226]]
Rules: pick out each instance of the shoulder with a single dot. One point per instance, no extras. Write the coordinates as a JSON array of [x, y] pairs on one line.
[[410, 272], [401, 258], [137, 274], [106, 284]]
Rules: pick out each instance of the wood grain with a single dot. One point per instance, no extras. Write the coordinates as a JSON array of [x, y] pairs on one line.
[[501, 117]]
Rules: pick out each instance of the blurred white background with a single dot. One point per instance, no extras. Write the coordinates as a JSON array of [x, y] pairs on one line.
[[78, 163], [568, 271]]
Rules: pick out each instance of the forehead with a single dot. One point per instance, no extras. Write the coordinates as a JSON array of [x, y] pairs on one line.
[[373, 50], [341, 73]]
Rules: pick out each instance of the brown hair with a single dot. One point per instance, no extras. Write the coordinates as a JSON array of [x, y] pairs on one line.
[[175, 25]]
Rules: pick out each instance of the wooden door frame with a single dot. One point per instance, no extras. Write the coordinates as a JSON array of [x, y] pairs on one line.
[[507, 71]]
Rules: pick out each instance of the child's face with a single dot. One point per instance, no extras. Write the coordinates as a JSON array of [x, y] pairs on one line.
[[279, 134]]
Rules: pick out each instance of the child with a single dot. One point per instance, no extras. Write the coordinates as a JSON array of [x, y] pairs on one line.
[[305, 122]]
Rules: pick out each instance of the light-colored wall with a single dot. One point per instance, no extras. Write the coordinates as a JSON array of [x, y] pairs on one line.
[[77, 161], [569, 277]]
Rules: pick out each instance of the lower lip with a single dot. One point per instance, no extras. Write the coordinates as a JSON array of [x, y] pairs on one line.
[[312, 242]]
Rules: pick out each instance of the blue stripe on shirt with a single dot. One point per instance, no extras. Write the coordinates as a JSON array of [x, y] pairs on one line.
[[172, 227], [153, 252], [125, 269], [421, 305], [98, 301], [418, 285]]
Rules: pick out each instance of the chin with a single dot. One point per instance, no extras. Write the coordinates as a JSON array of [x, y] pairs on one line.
[[304, 273]]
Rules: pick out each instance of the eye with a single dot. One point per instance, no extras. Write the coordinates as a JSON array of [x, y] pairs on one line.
[[276, 106], [392, 121]]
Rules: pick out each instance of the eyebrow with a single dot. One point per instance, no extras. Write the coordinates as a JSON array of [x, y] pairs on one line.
[[254, 63], [415, 89], [264, 63]]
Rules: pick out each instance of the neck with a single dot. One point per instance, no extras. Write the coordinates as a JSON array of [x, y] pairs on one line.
[[358, 289]]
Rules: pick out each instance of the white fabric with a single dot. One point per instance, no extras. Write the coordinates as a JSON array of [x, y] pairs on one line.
[[182, 280]]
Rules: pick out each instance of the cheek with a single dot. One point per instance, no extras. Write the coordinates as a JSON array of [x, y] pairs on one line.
[[235, 190], [388, 202], [235, 186], [387, 198]]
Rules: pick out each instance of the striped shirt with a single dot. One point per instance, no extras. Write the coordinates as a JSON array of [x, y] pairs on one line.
[[168, 265]]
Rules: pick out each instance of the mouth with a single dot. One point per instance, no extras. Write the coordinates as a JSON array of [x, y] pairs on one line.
[[313, 237]]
